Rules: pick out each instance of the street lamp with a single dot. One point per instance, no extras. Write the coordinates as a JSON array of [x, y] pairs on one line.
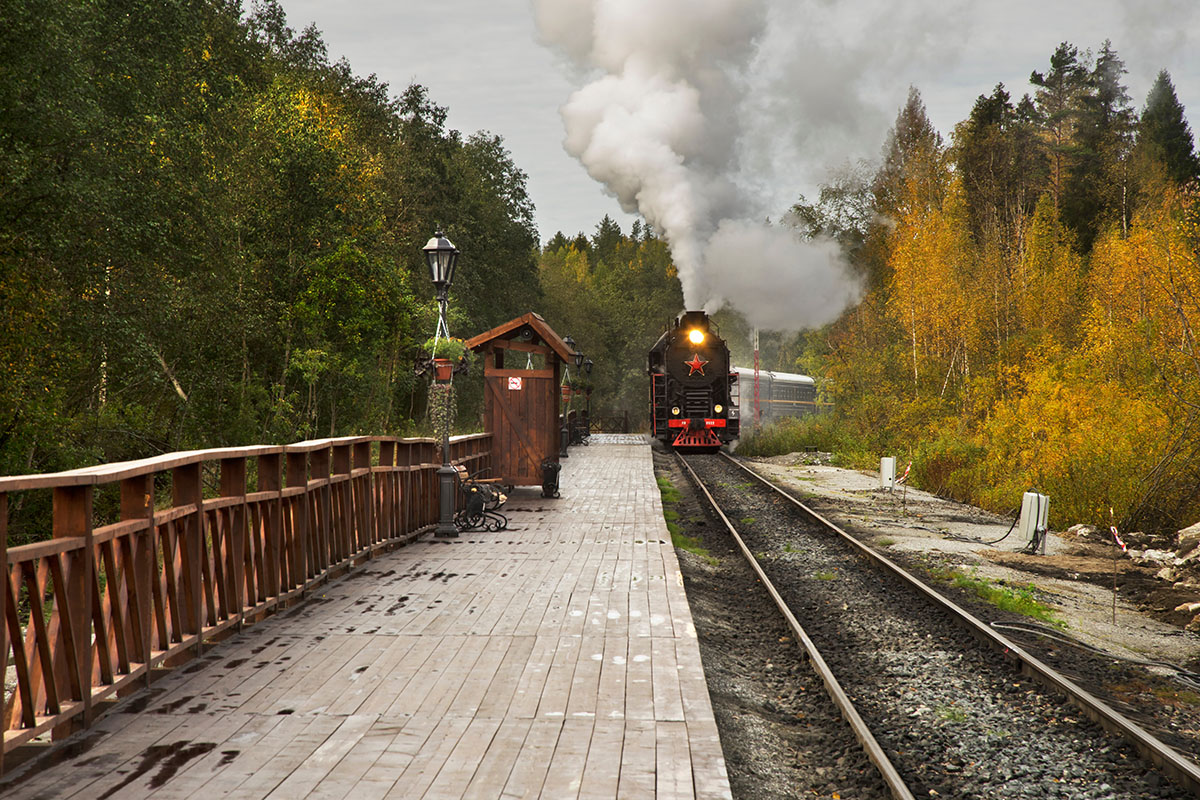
[[442, 256], [570, 343], [586, 366], [565, 430]]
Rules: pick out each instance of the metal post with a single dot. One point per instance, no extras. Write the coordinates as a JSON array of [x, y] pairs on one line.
[[446, 473]]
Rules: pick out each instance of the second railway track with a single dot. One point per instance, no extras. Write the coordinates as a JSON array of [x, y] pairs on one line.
[[949, 711]]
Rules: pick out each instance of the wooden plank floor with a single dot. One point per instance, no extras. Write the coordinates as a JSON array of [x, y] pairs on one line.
[[556, 659]]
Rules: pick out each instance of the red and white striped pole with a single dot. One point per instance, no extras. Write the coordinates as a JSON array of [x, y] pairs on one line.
[[757, 408]]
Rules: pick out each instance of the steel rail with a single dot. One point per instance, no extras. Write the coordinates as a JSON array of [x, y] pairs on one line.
[[874, 751], [1150, 747]]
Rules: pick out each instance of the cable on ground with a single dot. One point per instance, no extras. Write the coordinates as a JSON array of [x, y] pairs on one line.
[[1181, 674]]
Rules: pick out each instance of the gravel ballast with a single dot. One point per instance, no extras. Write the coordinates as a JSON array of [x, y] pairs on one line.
[[959, 718]]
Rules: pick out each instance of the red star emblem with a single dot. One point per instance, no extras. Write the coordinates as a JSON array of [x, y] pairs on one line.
[[696, 365]]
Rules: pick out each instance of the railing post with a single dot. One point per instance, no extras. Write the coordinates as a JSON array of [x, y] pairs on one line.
[[342, 505], [72, 519], [407, 484], [318, 463], [269, 480], [363, 492], [297, 475], [385, 488], [233, 484], [433, 459], [186, 489], [137, 502]]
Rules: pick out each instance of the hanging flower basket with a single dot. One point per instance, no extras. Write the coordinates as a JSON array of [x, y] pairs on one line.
[[443, 348], [443, 368]]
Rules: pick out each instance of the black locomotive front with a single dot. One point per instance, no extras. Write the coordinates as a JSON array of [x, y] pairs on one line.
[[693, 390]]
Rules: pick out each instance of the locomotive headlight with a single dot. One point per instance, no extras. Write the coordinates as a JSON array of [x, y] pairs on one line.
[[696, 336], [675, 410], [718, 408]]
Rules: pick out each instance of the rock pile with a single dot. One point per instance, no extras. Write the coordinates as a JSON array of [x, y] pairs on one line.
[[1176, 558]]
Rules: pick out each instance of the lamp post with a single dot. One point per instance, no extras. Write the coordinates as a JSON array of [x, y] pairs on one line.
[[577, 434], [587, 390], [442, 256], [565, 430]]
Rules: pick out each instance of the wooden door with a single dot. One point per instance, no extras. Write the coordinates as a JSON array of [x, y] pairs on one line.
[[522, 406]]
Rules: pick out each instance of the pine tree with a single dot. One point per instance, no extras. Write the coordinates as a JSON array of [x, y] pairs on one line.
[[1163, 133], [913, 142], [1057, 99], [1002, 167], [606, 240], [557, 242], [1097, 188]]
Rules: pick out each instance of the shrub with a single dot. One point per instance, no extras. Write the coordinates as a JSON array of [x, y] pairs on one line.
[[815, 432], [945, 466]]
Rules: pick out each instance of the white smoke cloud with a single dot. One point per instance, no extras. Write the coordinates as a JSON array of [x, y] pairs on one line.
[[701, 114], [790, 284]]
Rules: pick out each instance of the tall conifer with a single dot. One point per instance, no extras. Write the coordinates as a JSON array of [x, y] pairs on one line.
[[1163, 132]]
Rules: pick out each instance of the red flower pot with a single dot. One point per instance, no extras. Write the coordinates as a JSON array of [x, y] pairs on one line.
[[442, 368]]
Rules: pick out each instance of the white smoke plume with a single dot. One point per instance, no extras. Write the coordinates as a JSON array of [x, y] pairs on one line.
[[777, 281], [692, 107]]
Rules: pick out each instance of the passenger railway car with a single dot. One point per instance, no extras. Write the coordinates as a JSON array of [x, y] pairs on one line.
[[780, 394], [693, 391]]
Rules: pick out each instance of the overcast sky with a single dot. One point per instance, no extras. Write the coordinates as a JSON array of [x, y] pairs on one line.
[[849, 58]]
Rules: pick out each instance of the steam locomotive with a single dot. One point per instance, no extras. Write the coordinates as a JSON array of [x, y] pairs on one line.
[[693, 388]]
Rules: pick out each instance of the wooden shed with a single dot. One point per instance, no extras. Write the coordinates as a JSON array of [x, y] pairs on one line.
[[521, 405]]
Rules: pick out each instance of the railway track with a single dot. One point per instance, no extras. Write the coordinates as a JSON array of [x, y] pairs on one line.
[[939, 702]]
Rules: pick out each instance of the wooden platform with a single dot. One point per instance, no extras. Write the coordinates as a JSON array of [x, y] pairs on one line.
[[556, 659]]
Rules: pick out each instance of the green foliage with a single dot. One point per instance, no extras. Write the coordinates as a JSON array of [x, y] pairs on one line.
[[442, 409], [1163, 134], [1016, 599], [210, 235], [951, 714], [614, 294], [679, 539], [690, 544], [824, 432], [943, 465], [670, 495], [441, 347]]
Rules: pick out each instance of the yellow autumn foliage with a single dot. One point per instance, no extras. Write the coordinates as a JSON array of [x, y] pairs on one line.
[[1085, 442], [1145, 298], [1004, 367], [926, 295]]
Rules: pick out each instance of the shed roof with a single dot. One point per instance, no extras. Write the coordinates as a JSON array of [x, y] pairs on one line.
[[509, 329]]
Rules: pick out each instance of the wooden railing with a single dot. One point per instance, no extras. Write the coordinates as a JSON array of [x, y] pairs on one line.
[[91, 611]]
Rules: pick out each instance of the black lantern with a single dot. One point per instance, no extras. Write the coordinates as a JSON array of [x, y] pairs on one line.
[[587, 366], [441, 255], [570, 343], [578, 360]]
